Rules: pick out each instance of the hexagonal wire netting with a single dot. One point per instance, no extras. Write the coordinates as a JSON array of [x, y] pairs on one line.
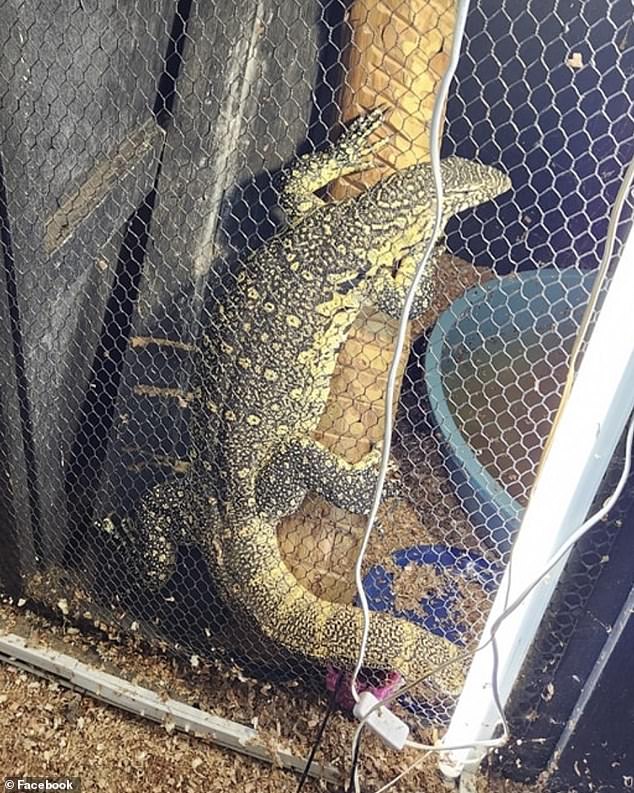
[[190, 392]]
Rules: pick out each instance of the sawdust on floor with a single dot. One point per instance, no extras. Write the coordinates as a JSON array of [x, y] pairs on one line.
[[48, 730], [412, 583]]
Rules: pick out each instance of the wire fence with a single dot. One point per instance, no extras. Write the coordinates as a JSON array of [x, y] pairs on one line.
[[211, 214]]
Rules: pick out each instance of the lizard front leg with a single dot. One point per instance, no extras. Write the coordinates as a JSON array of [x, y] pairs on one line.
[[305, 464], [351, 153], [388, 293], [168, 515]]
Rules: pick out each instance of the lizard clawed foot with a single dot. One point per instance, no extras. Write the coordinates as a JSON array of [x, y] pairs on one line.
[[149, 551], [353, 151]]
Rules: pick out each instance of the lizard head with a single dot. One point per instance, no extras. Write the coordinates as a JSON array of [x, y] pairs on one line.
[[396, 200], [467, 183]]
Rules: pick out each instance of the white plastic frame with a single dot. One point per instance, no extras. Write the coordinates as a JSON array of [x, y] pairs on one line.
[[589, 425]]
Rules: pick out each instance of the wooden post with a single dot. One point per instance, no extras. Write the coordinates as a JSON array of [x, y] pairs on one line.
[[396, 57]]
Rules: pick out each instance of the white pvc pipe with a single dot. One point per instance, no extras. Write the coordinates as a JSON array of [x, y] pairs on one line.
[[589, 426]]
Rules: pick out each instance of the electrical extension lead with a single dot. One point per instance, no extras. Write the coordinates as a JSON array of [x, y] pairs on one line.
[[387, 725]]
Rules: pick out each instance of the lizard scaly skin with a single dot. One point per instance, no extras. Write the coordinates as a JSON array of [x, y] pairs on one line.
[[262, 377]]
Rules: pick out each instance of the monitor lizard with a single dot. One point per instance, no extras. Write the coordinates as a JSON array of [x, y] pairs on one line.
[[262, 371]]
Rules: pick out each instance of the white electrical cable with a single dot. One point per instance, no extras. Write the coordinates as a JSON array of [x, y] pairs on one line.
[[462, 7], [426, 750], [613, 225], [461, 14], [563, 549], [403, 773]]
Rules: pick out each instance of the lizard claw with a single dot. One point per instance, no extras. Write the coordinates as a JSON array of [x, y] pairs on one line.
[[365, 124], [353, 150], [395, 486]]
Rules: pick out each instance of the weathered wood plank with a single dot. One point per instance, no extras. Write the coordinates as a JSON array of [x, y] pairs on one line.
[[81, 150], [243, 104], [242, 107]]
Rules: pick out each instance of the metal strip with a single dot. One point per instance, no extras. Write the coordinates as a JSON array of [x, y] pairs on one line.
[[69, 672]]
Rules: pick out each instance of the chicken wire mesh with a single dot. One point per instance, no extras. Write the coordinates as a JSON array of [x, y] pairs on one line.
[[193, 384], [554, 646]]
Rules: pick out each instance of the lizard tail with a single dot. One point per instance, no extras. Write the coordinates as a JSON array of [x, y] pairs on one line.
[[258, 582]]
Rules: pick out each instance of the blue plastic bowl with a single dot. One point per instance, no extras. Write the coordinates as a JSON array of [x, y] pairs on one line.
[[541, 302], [435, 613]]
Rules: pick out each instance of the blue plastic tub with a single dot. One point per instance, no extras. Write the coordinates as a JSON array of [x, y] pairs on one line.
[[547, 304], [439, 611]]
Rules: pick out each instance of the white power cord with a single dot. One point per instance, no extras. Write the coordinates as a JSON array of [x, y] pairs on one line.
[[563, 549], [462, 7]]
